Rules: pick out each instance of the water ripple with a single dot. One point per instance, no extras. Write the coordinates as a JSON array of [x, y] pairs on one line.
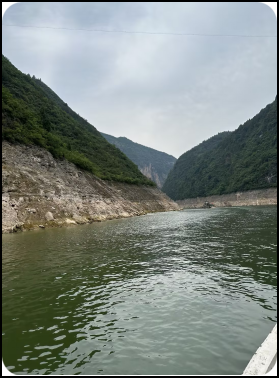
[[190, 292]]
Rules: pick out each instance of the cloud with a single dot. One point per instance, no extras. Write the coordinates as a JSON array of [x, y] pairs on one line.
[[167, 92]]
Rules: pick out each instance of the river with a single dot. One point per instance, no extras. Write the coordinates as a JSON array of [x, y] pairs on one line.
[[176, 293]]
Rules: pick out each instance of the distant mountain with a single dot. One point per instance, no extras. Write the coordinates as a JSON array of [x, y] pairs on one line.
[[242, 160], [33, 114], [152, 163]]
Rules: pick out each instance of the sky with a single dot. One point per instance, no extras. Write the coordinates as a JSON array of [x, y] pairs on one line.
[[165, 91]]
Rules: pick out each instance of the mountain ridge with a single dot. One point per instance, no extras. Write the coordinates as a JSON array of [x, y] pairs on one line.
[[245, 159]]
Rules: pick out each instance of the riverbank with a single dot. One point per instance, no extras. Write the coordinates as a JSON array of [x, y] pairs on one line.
[[39, 191], [249, 198]]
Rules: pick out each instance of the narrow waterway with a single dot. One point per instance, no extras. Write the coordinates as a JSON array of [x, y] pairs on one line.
[[188, 292]]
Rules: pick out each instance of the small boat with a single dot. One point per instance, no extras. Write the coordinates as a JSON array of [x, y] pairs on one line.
[[264, 361]]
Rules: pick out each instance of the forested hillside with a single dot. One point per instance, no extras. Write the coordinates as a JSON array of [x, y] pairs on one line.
[[152, 163], [242, 160], [33, 114]]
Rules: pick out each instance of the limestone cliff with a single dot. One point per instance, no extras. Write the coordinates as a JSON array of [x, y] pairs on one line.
[[153, 175], [39, 191], [154, 164]]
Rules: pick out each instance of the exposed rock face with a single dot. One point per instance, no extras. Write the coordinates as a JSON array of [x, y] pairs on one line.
[[38, 190], [152, 163], [151, 173], [251, 197]]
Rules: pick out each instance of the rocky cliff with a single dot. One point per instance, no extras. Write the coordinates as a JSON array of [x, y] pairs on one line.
[[153, 175], [154, 164], [40, 191]]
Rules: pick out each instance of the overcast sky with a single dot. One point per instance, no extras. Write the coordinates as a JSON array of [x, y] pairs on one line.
[[168, 92]]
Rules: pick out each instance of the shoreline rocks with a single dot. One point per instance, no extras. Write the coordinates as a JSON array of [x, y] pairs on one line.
[[55, 193], [249, 198]]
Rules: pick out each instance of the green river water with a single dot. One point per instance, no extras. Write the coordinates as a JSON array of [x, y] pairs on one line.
[[187, 292]]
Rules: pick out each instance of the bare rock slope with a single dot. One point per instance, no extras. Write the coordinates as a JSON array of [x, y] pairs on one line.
[[259, 197], [39, 191]]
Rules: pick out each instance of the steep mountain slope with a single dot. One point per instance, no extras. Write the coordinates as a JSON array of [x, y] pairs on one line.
[[39, 191], [152, 163], [187, 166], [33, 114], [245, 159]]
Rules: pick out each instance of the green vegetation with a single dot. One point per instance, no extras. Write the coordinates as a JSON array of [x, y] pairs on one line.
[[33, 114], [245, 159], [143, 156]]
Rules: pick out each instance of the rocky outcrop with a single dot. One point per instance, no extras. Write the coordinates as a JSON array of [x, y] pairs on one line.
[[154, 164], [251, 197], [151, 173], [39, 191]]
